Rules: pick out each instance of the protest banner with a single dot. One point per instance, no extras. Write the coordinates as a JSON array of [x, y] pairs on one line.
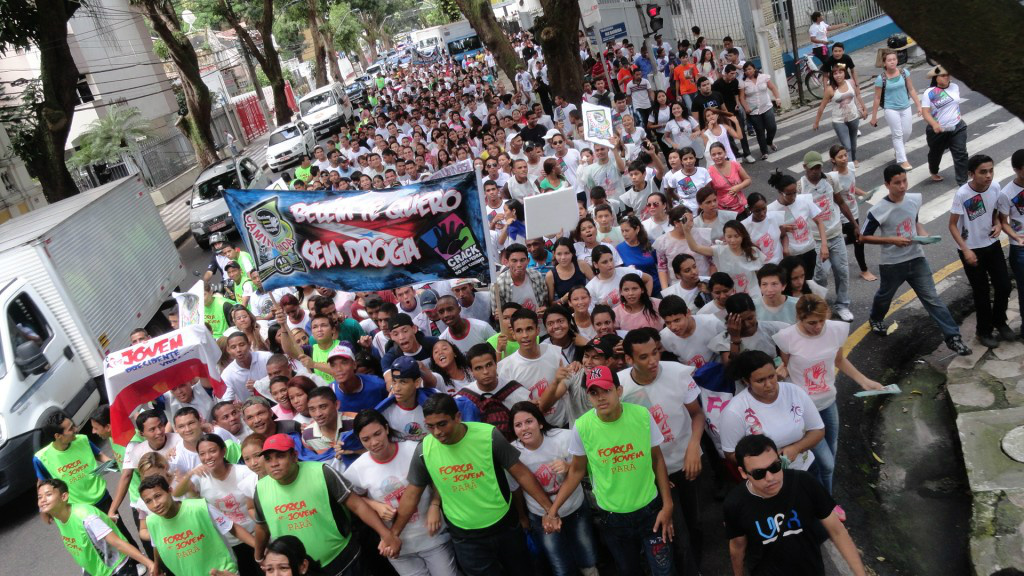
[[361, 241], [190, 305], [597, 124], [140, 373]]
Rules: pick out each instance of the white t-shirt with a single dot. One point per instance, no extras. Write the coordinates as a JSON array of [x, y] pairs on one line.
[[554, 447], [767, 236], [136, 450], [569, 164], [666, 398], [386, 482], [785, 421], [406, 424], [847, 184], [801, 214], [479, 331], [480, 309], [97, 530], [822, 195], [786, 312], [536, 375], [605, 175], [656, 230], [1011, 203], [694, 350], [760, 340], [712, 309], [524, 295], [638, 92], [680, 135], [688, 295], [812, 359], [522, 190], [944, 104], [819, 31], [235, 377], [583, 254], [687, 186], [742, 270], [230, 496], [607, 291], [977, 211]]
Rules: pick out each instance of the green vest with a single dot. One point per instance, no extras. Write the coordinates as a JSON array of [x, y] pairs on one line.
[[189, 544], [118, 450], [465, 476], [320, 357], [79, 545], [303, 509], [232, 452], [74, 466], [246, 263], [303, 174], [619, 458], [240, 289], [215, 317]]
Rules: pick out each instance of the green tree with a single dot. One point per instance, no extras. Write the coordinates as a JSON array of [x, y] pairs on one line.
[[40, 119], [481, 18], [113, 137], [346, 28]]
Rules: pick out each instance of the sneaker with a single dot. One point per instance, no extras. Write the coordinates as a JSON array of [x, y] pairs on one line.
[[750, 132], [1005, 333], [844, 314], [749, 159], [956, 344], [986, 340], [878, 327], [840, 513]]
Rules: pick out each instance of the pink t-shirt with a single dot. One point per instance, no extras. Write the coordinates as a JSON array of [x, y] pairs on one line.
[[632, 320]]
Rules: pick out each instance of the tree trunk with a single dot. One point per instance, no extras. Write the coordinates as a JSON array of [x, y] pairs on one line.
[[481, 18], [970, 62], [59, 76], [268, 59], [198, 125], [558, 31], [332, 54], [319, 52]]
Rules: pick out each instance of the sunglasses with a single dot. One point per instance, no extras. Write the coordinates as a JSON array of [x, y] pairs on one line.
[[760, 473], [556, 142], [653, 204]]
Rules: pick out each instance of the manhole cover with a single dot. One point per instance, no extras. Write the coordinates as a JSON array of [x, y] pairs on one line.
[[1013, 443]]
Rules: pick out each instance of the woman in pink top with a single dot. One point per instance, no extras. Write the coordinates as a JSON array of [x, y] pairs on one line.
[[636, 308], [729, 179]]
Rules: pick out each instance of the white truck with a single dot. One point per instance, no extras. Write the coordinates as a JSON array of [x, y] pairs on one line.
[[76, 278], [325, 109]]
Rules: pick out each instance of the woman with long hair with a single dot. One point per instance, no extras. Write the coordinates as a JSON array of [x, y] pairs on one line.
[[544, 449], [657, 123], [683, 130], [448, 361], [567, 272], [765, 229], [797, 282], [580, 302], [709, 213], [719, 126], [658, 204], [706, 66], [729, 179], [553, 177], [636, 251], [381, 473], [636, 308], [562, 332], [799, 214], [299, 388], [894, 93], [738, 257], [604, 286], [246, 323], [759, 106], [847, 108], [674, 243]]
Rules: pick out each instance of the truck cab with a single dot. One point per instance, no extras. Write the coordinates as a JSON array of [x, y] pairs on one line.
[[324, 109], [40, 373]]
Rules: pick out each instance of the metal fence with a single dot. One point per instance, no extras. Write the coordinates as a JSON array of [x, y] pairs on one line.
[[165, 159]]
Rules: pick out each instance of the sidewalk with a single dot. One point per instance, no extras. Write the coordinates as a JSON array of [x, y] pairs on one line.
[[987, 393], [175, 212]]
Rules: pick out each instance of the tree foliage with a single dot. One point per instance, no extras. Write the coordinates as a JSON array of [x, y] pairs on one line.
[[107, 139]]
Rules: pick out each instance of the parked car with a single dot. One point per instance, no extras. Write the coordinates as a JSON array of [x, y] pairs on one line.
[[288, 143], [356, 92], [209, 212]]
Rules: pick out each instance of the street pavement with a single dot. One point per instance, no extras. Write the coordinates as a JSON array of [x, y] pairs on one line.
[[26, 544]]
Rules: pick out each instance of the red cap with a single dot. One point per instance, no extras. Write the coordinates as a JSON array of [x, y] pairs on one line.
[[278, 443], [602, 377]]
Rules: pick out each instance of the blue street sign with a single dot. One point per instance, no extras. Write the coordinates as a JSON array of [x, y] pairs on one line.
[[613, 32]]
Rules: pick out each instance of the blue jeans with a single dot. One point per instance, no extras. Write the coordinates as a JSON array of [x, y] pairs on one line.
[[918, 274], [626, 534], [847, 133], [498, 551], [825, 451], [838, 260], [1017, 266], [573, 547]]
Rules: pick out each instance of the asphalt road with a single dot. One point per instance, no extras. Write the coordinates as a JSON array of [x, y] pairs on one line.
[[27, 546]]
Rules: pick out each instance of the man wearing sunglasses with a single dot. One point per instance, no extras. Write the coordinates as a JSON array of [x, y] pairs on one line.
[[781, 517]]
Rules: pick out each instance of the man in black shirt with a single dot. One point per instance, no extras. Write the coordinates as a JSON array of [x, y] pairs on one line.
[[729, 87], [705, 97], [781, 517], [839, 56], [533, 132]]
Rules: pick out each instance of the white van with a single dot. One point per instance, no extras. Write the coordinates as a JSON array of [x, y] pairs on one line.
[[324, 108]]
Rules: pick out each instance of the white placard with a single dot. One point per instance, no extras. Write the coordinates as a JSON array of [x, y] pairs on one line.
[[597, 124], [551, 212]]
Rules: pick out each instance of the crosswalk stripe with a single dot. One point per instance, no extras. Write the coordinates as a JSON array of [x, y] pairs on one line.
[[885, 157], [920, 173], [940, 206]]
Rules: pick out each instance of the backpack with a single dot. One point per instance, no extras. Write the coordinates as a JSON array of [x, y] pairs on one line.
[[905, 74], [492, 408]]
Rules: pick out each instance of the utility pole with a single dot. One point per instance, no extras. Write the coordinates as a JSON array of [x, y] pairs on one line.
[[796, 55]]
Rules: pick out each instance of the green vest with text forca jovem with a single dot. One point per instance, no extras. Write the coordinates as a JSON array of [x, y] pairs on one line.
[[213, 314], [466, 478]]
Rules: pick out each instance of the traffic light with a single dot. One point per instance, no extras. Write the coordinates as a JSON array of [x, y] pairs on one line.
[[656, 22]]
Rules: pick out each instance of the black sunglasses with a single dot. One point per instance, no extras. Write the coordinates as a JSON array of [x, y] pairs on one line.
[[760, 473]]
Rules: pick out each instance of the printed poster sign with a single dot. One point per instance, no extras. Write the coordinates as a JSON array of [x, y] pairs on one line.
[[597, 124], [364, 240], [190, 305]]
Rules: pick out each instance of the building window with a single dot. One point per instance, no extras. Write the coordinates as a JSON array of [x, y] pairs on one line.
[[84, 91]]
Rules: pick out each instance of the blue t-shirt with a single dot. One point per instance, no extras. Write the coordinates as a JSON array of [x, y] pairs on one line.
[[373, 392], [644, 261], [896, 96]]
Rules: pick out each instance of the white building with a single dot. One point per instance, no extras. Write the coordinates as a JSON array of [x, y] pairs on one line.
[[19, 193]]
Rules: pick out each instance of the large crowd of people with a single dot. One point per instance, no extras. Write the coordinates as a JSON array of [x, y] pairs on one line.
[[561, 418]]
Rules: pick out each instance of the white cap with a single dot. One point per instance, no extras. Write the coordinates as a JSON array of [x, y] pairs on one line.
[[551, 133]]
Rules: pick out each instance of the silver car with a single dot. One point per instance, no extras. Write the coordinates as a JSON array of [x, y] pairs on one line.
[[209, 212]]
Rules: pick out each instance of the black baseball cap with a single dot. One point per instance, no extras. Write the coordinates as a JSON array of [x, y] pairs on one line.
[[399, 320], [605, 344]]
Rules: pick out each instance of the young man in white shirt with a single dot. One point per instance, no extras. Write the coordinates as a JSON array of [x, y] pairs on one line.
[[537, 367], [773, 305], [463, 333], [686, 335]]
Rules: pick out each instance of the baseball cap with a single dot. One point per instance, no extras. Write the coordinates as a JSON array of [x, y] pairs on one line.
[[341, 351], [405, 367], [428, 299], [463, 282], [400, 319], [812, 159], [605, 344], [278, 443], [552, 133], [530, 145], [602, 377]]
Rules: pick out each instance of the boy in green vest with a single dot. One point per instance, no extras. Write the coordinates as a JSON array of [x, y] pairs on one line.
[[466, 462], [315, 504], [72, 458], [88, 534], [188, 536], [618, 444], [216, 311]]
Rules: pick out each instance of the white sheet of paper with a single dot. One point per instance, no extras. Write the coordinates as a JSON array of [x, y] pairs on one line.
[[550, 212], [597, 124]]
